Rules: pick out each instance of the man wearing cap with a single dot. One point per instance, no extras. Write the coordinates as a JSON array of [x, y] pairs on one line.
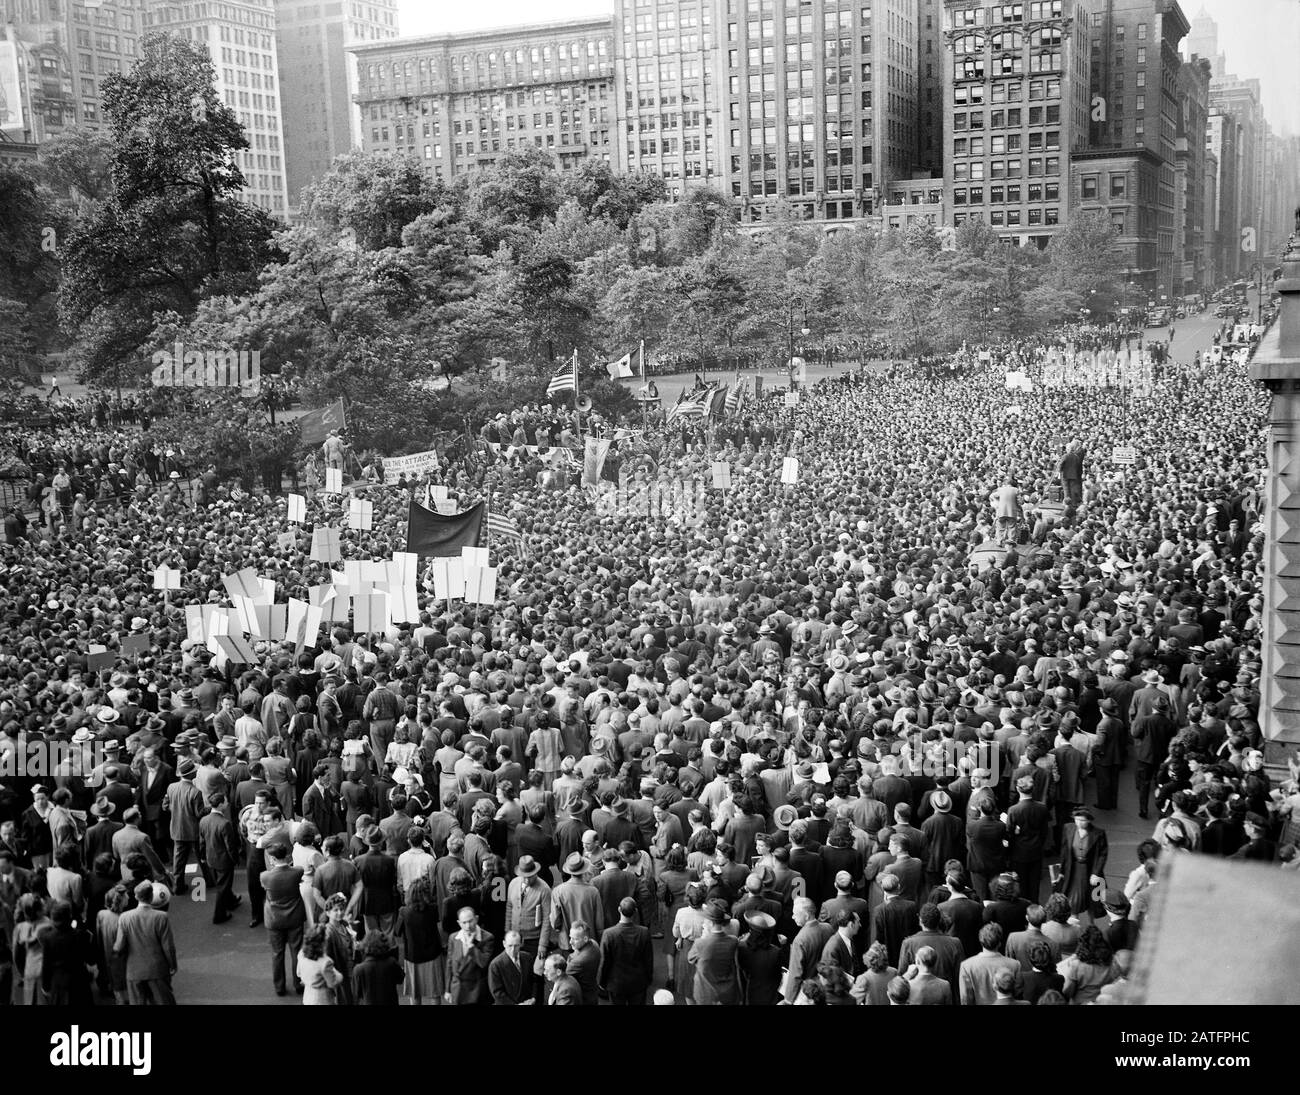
[[1106, 754], [1258, 846], [1120, 932], [185, 807], [945, 838], [98, 838], [1151, 734], [575, 900], [1029, 829], [379, 883]]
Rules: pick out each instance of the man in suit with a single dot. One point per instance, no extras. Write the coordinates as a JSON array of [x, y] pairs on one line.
[[894, 919], [978, 975], [584, 961], [575, 899], [285, 914], [627, 961], [564, 988], [469, 953], [379, 885], [151, 794], [986, 854], [99, 837], [1151, 734], [926, 987], [510, 973], [145, 941], [320, 804], [1021, 944], [1072, 770], [1029, 828], [116, 790], [806, 947], [961, 911], [841, 949], [1106, 754], [614, 884], [948, 952], [183, 803], [131, 839], [221, 846], [945, 837]]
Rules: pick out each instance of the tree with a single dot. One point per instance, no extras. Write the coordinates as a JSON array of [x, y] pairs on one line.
[[173, 229], [30, 228], [18, 359], [372, 196], [515, 195], [77, 164], [222, 428], [600, 193], [1082, 261]]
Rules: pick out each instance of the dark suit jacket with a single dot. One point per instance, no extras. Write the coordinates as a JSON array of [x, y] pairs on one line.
[[984, 851], [98, 839], [946, 839], [510, 983], [284, 907], [467, 977], [144, 937], [613, 887], [1030, 826], [1072, 766], [584, 967], [627, 962], [926, 988], [378, 882], [967, 916], [221, 844], [150, 799], [566, 990], [891, 923]]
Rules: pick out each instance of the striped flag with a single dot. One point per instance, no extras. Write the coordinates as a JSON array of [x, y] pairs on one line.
[[692, 407], [566, 380], [717, 404], [498, 524], [736, 396]]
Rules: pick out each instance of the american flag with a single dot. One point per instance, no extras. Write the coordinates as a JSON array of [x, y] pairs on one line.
[[566, 380], [736, 396], [498, 524], [695, 406]]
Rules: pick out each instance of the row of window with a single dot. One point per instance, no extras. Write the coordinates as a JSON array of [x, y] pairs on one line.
[[1000, 145], [977, 68], [664, 47], [1007, 13], [1043, 38], [798, 52], [833, 22], [1010, 91], [1006, 169]]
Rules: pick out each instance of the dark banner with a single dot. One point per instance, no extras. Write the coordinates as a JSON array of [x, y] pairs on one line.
[[434, 535], [316, 425]]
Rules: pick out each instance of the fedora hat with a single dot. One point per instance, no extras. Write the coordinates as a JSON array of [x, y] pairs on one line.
[[527, 867], [784, 816], [103, 807], [107, 714], [575, 864], [83, 736]]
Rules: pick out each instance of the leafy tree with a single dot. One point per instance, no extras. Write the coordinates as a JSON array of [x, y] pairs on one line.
[[373, 197], [600, 193], [514, 196], [77, 164], [232, 432], [28, 218], [18, 360], [173, 228]]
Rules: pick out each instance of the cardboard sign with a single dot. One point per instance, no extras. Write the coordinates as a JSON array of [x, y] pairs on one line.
[[135, 645], [721, 475], [481, 585], [474, 556], [325, 545], [448, 579], [792, 399], [194, 623], [286, 541], [790, 470], [412, 466], [361, 515], [237, 649], [370, 613], [165, 578], [333, 481], [1123, 454], [100, 657], [297, 508]]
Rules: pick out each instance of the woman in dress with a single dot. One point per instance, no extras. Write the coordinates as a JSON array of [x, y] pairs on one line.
[[311, 753], [1060, 926], [510, 813], [401, 750], [29, 921], [316, 969], [688, 926], [279, 774], [377, 975], [417, 932], [307, 855], [1089, 969], [444, 761], [673, 882], [112, 967], [872, 987], [340, 944], [1083, 863]]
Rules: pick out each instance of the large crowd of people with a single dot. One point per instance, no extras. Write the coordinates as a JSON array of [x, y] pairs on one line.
[[852, 737]]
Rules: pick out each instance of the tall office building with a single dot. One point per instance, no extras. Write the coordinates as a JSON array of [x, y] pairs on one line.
[[240, 37], [458, 102], [1210, 212], [666, 64], [1130, 166], [1222, 134], [1190, 174], [1016, 97], [54, 56], [929, 97], [318, 79], [821, 103], [1240, 99], [1203, 40]]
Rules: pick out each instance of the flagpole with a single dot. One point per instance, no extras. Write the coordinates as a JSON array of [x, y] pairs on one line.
[[644, 426], [577, 395]]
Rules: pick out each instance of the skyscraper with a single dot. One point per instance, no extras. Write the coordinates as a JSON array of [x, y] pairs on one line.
[[240, 37], [821, 103], [318, 79], [666, 63], [1016, 97]]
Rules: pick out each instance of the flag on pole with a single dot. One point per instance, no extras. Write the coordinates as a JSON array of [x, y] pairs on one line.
[[498, 524], [718, 401], [593, 460], [643, 359], [687, 407], [566, 380], [620, 368], [736, 396], [315, 426]]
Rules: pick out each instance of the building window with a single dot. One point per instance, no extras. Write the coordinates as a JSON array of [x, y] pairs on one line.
[[1118, 186]]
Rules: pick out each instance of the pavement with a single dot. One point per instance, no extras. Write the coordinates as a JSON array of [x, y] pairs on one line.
[[230, 963]]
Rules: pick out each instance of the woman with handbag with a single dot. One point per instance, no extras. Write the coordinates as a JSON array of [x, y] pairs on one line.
[[1083, 864]]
